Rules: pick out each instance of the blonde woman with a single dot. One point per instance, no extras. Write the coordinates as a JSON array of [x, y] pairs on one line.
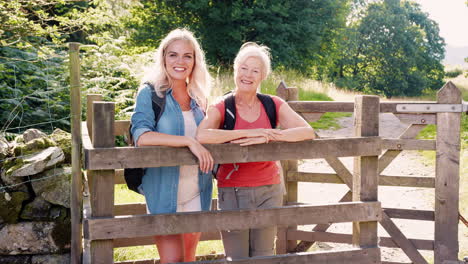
[[254, 184], [180, 76]]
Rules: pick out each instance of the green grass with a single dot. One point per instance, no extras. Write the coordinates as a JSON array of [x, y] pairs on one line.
[[329, 121], [123, 195]]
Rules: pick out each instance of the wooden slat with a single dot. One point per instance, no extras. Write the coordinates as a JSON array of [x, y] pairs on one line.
[[351, 256], [85, 139], [130, 209], [132, 157], [330, 237], [292, 187], [389, 155], [341, 170], [393, 262], [421, 119], [409, 214], [407, 246], [121, 127], [119, 177], [365, 178], [140, 208], [164, 224], [102, 181], [90, 99], [149, 240], [292, 195], [311, 117], [408, 144], [406, 181], [305, 245], [334, 106], [447, 177], [384, 180]]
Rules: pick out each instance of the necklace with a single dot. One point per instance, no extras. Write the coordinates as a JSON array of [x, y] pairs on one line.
[[249, 106]]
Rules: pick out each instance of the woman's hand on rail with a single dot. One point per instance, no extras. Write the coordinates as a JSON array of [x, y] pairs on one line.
[[204, 156], [268, 133], [251, 140]]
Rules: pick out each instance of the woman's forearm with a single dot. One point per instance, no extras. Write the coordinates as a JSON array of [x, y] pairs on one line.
[[216, 136], [161, 139], [295, 134]]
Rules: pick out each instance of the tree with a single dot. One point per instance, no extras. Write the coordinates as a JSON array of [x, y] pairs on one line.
[[33, 57], [394, 50], [300, 33]]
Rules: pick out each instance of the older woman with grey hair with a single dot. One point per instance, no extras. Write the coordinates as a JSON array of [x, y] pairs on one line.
[[254, 184]]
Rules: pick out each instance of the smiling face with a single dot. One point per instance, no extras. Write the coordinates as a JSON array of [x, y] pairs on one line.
[[249, 74], [179, 60]]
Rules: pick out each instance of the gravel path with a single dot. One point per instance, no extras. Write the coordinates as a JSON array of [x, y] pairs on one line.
[[407, 163]]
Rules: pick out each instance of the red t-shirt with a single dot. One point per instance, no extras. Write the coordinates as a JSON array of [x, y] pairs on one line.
[[250, 174]]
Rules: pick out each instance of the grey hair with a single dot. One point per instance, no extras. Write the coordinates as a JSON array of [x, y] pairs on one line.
[[252, 49]]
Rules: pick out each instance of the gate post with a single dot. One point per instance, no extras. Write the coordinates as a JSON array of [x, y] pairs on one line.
[[447, 177], [76, 197], [102, 181], [365, 177], [283, 245]]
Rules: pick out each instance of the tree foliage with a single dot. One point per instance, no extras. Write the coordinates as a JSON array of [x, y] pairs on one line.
[[33, 56], [300, 33], [394, 50], [385, 47]]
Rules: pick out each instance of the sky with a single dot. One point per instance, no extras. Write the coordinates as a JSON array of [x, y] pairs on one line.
[[452, 17]]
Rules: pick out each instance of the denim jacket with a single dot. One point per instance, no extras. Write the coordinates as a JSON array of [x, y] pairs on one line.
[[160, 184]]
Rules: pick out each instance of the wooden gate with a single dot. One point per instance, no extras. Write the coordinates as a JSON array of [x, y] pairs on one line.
[[446, 182]]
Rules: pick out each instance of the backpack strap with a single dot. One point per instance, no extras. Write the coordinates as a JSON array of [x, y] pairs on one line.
[[270, 108], [230, 110], [157, 103]]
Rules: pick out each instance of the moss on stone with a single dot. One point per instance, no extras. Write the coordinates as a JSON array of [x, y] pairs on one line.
[[34, 145], [13, 164], [19, 139], [11, 205], [63, 140], [62, 234]]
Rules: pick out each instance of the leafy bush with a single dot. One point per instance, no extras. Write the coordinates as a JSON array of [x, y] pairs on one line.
[[34, 88], [453, 73], [108, 71]]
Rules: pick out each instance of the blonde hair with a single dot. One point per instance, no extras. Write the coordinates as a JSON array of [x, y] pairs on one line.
[[199, 81], [252, 49]]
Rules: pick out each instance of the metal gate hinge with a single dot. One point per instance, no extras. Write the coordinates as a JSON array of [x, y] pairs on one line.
[[433, 108]]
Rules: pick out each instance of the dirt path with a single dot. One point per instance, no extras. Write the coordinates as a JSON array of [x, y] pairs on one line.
[[407, 163]]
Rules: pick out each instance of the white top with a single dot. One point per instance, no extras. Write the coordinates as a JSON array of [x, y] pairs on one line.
[[188, 178]]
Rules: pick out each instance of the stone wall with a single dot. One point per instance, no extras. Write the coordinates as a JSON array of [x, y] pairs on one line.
[[35, 189]]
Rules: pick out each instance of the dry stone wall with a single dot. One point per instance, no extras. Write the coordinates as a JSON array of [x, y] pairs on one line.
[[35, 177]]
